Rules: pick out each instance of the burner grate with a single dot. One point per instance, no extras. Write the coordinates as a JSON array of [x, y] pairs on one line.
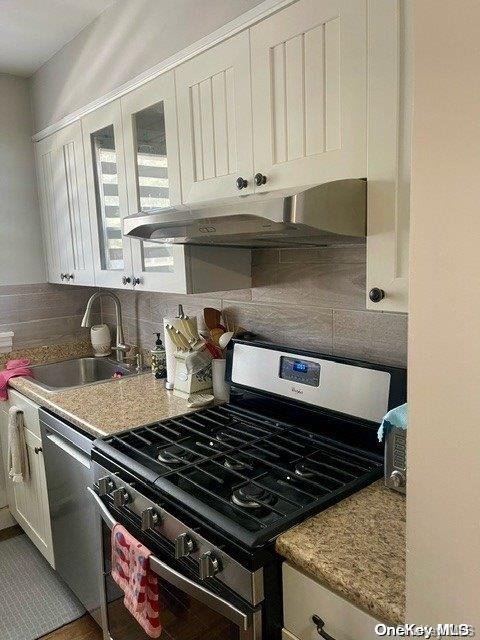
[[214, 455]]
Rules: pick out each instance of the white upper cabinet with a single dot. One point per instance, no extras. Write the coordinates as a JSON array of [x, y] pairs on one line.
[[64, 205], [215, 122], [309, 94], [316, 92], [107, 195], [389, 131], [153, 178]]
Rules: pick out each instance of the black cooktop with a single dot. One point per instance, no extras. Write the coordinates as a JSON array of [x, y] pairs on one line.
[[248, 473]]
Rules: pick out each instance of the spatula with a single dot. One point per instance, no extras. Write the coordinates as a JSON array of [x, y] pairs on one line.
[[212, 317]]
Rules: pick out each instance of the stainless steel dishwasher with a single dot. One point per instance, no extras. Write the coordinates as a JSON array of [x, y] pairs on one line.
[[73, 519]]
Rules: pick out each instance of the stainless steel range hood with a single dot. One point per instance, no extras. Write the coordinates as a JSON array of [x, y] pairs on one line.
[[315, 216]]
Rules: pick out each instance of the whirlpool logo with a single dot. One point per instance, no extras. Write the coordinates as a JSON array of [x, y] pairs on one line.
[[297, 391]]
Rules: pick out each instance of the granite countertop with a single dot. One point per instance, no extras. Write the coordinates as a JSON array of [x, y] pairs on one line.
[[356, 548], [109, 407]]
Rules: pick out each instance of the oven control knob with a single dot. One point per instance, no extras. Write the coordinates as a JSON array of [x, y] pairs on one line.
[[121, 497], [184, 545], [150, 519], [209, 566], [105, 486], [398, 479]]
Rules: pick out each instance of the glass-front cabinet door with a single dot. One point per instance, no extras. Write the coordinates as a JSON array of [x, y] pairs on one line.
[[107, 193], [153, 178]]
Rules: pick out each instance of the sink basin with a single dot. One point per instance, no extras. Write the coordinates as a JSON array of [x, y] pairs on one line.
[[78, 372]]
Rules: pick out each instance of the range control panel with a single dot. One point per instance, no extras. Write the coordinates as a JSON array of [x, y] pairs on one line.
[[297, 370], [360, 391]]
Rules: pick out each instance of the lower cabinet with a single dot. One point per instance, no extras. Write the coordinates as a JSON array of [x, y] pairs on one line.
[[304, 598], [28, 501]]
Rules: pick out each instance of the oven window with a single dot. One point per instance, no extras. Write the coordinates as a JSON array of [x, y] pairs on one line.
[[182, 617]]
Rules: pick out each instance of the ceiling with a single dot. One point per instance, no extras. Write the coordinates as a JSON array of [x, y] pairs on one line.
[[31, 31]]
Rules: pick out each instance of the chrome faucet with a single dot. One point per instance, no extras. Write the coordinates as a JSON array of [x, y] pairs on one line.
[[121, 347]]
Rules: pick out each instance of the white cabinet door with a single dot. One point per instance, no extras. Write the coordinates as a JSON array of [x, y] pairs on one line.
[[31, 501], [107, 195], [215, 121], [153, 178], [303, 598], [64, 204], [309, 93], [389, 130], [28, 501]]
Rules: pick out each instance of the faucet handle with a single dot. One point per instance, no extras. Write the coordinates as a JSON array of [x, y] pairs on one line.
[[139, 361], [123, 348]]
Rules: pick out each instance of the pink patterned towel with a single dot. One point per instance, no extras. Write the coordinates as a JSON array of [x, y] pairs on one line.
[[131, 571], [13, 368]]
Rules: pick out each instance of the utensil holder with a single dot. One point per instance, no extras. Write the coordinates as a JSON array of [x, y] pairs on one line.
[[221, 389]]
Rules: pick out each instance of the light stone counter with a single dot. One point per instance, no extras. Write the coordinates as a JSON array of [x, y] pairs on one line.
[[356, 548], [108, 407]]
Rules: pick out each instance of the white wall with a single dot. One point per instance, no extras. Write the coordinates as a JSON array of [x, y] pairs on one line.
[[443, 495], [128, 38], [21, 254]]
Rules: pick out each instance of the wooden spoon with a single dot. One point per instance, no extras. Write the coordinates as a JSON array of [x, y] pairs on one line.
[[211, 317]]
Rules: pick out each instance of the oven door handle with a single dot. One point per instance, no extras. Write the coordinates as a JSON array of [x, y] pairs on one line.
[[221, 606]]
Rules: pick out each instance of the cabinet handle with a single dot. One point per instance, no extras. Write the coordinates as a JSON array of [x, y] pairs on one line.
[[71, 276], [319, 623], [63, 276], [38, 450], [135, 281], [260, 179], [126, 280], [376, 294], [241, 183]]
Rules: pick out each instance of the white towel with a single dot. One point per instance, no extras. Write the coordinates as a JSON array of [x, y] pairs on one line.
[[18, 466]]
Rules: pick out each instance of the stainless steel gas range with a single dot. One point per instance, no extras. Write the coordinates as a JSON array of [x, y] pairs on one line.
[[209, 491]]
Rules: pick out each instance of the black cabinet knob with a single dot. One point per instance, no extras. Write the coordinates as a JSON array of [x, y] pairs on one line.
[[241, 183], [260, 179], [135, 281], [376, 294], [126, 280]]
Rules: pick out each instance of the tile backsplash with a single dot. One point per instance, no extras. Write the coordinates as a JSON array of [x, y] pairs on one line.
[[308, 298], [42, 314]]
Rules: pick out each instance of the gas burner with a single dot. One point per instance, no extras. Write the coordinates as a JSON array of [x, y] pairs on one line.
[[248, 496], [223, 436], [174, 456], [235, 465], [304, 471]]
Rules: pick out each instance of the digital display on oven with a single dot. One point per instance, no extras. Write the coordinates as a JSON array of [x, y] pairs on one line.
[[297, 370]]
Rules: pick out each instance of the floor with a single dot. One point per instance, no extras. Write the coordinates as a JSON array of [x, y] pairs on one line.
[[82, 629]]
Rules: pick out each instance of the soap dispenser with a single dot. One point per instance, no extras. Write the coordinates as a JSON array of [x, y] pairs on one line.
[[159, 359]]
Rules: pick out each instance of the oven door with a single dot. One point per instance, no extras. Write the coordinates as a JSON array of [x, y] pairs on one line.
[[188, 609]]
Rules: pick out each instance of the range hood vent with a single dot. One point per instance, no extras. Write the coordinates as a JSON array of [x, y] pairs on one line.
[[315, 216]]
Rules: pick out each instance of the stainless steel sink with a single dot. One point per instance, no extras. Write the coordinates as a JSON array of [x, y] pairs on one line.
[[79, 372]]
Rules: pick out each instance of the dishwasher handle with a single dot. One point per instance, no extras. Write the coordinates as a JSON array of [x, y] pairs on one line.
[[68, 448]]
